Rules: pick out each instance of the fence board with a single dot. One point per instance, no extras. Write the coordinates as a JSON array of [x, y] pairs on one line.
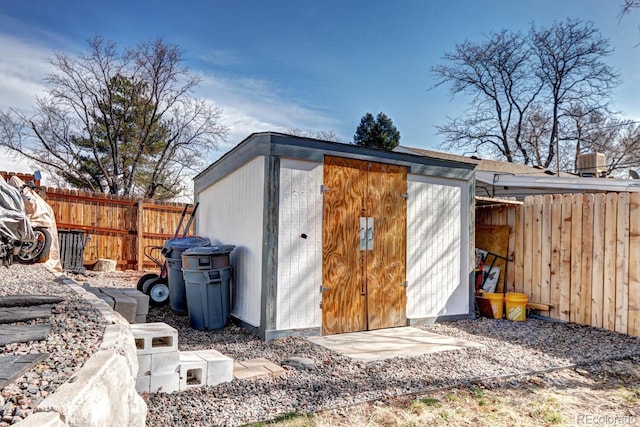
[[584, 307], [622, 264], [597, 277], [545, 251], [527, 253], [564, 304], [555, 246], [633, 325], [609, 289], [576, 257]]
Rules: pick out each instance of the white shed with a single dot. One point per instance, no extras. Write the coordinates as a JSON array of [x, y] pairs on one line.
[[334, 238]]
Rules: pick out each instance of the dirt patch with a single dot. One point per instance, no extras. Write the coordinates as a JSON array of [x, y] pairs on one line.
[[607, 393]]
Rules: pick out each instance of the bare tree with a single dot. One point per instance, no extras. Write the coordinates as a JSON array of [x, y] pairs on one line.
[[522, 87], [324, 135], [570, 64], [119, 122], [627, 6], [496, 74]]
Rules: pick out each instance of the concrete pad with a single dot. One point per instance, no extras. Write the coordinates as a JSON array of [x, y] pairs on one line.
[[384, 344], [256, 368]]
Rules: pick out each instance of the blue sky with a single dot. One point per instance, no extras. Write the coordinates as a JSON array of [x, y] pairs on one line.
[[321, 65]]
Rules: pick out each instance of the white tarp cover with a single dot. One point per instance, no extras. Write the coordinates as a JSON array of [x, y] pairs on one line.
[[40, 214], [13, 222]]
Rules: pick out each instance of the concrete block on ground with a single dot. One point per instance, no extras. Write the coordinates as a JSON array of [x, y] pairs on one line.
[[141, 318], [219, 366], [193, 370], [144, 364], [165, 363], [124, 304], [143, 384], [106, 265], [106, 298], [141, 298], [164, 383], [156, 337], [258, 368]]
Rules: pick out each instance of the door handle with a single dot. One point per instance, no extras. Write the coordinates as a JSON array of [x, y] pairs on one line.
[[363, 233], [370, 233]]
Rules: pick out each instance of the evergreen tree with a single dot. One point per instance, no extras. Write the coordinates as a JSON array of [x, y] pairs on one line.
[[378, 133]]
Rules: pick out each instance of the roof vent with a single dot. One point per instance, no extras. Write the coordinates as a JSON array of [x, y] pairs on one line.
[[591, 165]]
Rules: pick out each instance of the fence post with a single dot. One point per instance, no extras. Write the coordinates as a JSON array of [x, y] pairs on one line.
[[139, 246]]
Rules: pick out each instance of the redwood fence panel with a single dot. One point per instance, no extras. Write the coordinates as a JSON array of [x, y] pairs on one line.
[[580, 253], [115, 227]]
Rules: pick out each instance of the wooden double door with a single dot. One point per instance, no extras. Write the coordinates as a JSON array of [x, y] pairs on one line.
[[363, 245]]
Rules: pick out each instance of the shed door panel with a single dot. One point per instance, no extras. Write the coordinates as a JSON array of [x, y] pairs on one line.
[[386, 267], [364, 287], [344, 302]]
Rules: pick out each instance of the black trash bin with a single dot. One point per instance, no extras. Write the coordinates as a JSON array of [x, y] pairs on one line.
[[172, 252], [207, 275], [72, 244]]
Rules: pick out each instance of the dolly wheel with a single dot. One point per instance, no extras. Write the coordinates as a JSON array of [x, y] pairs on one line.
[[158, 291], [144, 278]]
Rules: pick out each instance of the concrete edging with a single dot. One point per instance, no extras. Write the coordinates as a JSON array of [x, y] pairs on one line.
[[102, 392]]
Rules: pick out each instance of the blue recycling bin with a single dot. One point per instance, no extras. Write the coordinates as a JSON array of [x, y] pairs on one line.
[[172, 251]]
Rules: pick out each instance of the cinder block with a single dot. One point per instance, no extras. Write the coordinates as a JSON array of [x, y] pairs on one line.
[[141, 299], [165, 363], [219, 366], [193, 370], [154, 338], [106, 298], [164, 383], [144, 364], [143, 384], [141, 318], [124, 304]]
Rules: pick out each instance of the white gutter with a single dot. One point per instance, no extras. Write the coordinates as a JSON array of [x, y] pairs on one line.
[[555, 182]]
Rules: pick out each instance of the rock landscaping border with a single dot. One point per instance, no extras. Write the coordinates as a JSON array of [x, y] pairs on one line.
[[102, 392]]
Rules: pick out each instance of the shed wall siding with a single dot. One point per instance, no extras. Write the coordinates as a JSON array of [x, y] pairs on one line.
[[231, 212], [437, 227], [299, 258]]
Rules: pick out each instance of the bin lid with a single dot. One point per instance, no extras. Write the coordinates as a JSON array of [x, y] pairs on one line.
[[209, 250], [186, 242]]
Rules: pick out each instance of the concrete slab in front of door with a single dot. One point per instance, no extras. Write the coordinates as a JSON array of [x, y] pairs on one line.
[[388, 343]]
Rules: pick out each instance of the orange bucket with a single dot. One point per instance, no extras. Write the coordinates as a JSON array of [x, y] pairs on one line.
[[496, 301], [516, 305]]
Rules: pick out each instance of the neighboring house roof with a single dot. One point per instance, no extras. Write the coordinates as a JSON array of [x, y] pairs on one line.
[[504, 179], [485, 164]]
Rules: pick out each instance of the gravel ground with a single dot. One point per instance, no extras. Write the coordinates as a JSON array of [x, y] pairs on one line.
[[337, 381], [76, 332]]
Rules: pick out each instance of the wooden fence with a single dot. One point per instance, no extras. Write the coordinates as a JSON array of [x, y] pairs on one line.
[[117, 228], [578, 252]]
